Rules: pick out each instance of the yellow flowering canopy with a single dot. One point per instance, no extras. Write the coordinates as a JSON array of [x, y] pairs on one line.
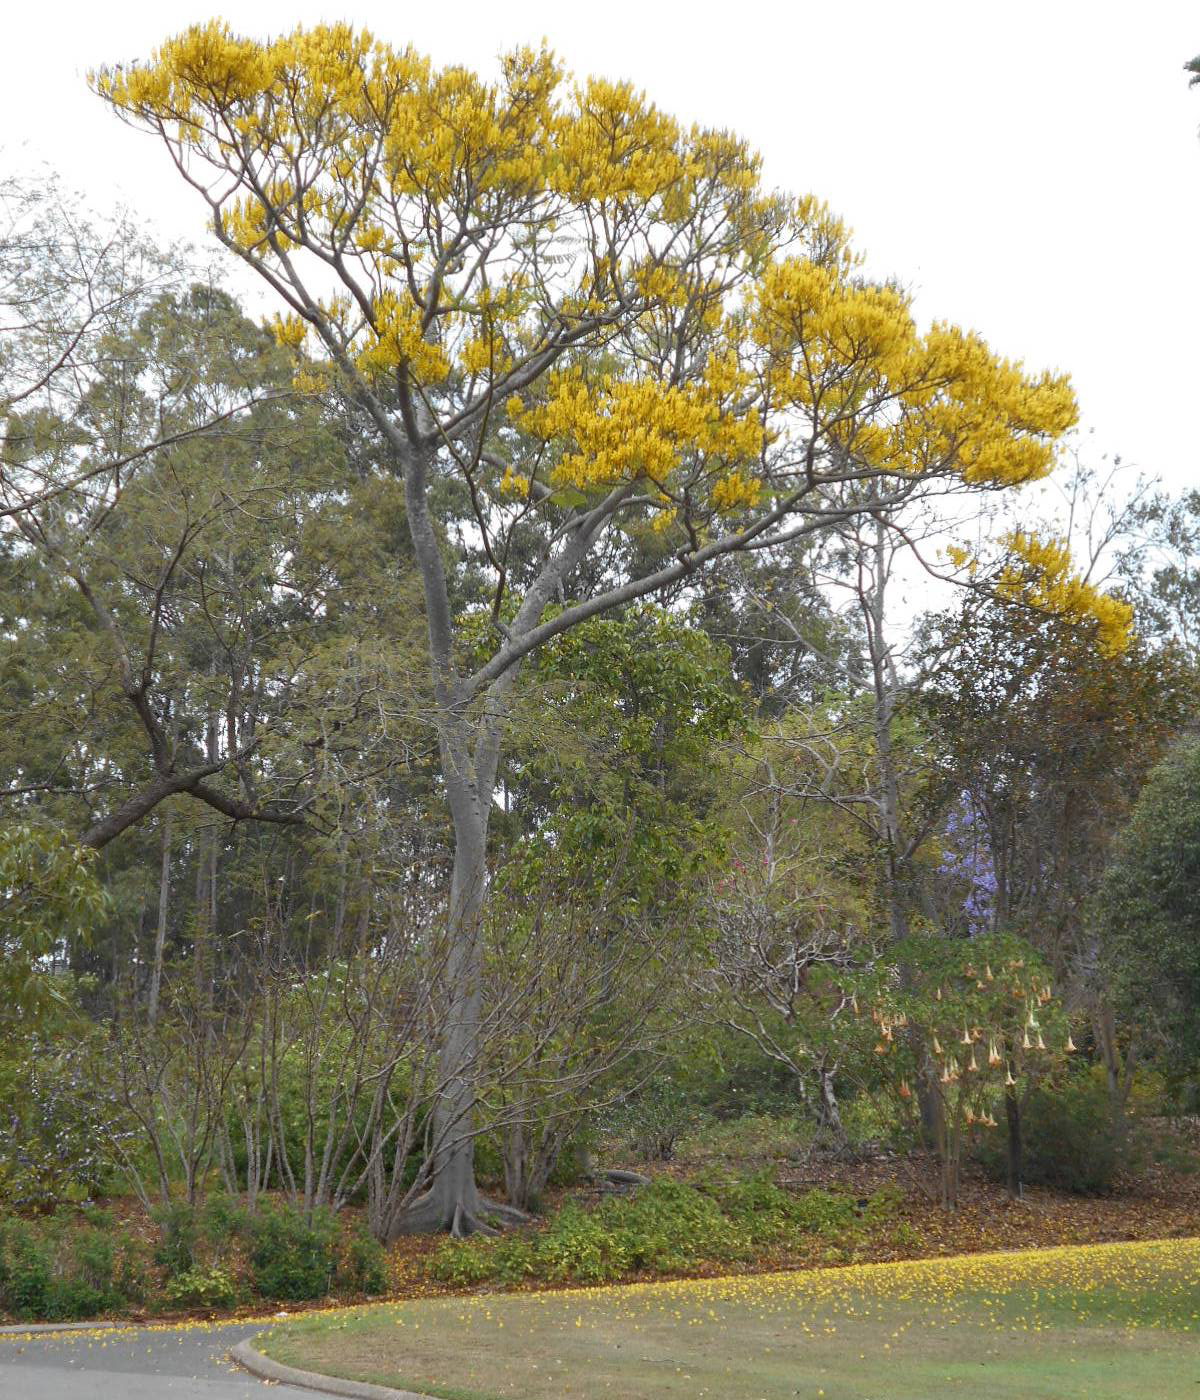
[[1039, 573], [557, 291]]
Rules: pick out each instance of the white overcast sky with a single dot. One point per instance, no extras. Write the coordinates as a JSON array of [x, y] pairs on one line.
[[1031, 170]]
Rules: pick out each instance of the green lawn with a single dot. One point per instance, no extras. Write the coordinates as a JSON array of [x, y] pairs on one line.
[[1091, 1322]]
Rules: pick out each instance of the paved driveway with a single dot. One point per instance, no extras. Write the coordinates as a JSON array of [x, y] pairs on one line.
[[189, 1363]]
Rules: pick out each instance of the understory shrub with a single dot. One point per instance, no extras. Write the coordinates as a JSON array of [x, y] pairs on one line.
[[59, 1269], [651, 1123], [56, 1132], [199, 1287], [364, 1266], [78, 1264], [291, 1258], [1071, 1140], [667, 1227]]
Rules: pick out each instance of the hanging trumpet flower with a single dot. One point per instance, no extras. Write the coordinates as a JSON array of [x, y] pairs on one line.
[[1027, 1043], [1070, 1045], [988, 972], [966, 1036], [1041, 1044], [1009, 1081], [993, 1055], [937, 1047], [971, 1064], [938, 994], [881, 1048], [945, 1074], [905, 1091], [853, 1003]]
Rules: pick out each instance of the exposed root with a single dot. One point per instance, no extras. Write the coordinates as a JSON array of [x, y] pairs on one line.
[[619, 1177], [465, 1223], [432, 1212], [504, 1213]]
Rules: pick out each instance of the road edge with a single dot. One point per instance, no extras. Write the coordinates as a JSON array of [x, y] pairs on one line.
[[37, 1329], [266, 1369]]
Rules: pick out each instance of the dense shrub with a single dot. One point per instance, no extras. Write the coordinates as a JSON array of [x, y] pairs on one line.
[[1071, 1140], [179, 1236], [667, 1227], [56, 1133], [59, 1269], [651, 1123], [200, 1287], [364, 1267], [291, 1258]]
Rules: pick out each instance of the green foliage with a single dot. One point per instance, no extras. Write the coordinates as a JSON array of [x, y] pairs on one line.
[[753, 1137], [291, 1258], [285, 1254], [57, 1134], [617, 755], [179, 1230], [61, 1268], [1072, 1139], [364, 1266], [48, 893], [650, 1123], [667, 1227], [202, 1287], [1148, 906]]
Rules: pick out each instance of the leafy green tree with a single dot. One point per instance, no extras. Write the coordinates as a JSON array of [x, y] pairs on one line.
[[1148, 905], [49, 895], [610, 789]]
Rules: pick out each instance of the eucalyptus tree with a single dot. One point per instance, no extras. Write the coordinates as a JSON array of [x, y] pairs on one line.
[[572, 311]]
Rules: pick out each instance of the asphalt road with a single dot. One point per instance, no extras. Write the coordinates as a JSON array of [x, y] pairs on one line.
[[188, 1363]]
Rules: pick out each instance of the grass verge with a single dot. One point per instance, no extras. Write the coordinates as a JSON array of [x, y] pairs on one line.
[[1098, 1322]]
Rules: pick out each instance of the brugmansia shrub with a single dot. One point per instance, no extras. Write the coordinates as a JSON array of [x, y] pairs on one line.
[[970, 1022]]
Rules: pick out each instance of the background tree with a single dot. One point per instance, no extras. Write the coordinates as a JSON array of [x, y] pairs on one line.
[[1148, 906]]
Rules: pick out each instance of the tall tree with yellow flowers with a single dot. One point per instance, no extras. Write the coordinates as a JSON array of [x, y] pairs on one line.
[[591, 321]]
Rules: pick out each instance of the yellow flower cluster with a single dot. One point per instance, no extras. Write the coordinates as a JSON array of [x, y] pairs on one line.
[[850, 351], [397, 338], [625, 430], [1042, 576], [735, 491]]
